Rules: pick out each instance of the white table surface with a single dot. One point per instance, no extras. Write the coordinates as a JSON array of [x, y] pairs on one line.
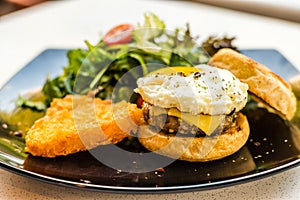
[[282, 9], [65, 24]]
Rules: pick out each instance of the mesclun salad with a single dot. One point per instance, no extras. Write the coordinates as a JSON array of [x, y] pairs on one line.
[[99, 67]]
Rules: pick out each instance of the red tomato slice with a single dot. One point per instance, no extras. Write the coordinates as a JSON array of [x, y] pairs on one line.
[[139, 102], [120, 34]]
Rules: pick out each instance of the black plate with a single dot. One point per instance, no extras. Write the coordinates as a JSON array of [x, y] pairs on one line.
[[273, 145]]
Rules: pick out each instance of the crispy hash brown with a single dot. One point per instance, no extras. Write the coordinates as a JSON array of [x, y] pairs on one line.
[[78, 123]]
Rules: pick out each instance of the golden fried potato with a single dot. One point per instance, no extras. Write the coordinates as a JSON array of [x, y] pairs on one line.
[[77, 123]]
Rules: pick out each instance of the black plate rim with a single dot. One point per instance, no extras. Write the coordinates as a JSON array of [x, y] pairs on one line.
[[146, 190], [151, 190]]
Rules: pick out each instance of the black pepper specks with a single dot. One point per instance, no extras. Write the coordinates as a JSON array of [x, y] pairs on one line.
[[197, 75]]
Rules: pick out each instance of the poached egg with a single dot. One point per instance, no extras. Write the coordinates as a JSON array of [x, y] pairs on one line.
[[205, 90]]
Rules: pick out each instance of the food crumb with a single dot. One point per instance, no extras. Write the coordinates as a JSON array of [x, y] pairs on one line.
[[85, 181], [159, 172], [5, 126], [257, 144], [18, 133], [160, 169]]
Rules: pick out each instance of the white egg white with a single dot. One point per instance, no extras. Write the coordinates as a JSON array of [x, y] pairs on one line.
[[210, 91]]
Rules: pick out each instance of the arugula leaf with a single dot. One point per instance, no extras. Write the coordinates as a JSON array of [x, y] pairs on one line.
[[36, 105]]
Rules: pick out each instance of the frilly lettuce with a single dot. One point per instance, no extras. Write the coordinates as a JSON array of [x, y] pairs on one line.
[[99, 68]]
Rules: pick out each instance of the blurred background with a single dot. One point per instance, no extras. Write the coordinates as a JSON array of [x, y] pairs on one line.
[[282, 9], [8, 6]]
